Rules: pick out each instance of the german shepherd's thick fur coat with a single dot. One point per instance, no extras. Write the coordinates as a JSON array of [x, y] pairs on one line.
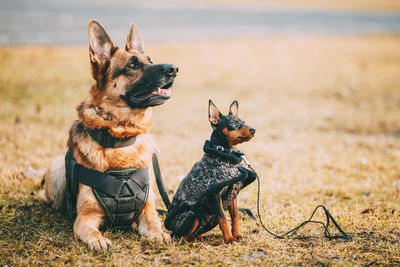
[[126, 86]]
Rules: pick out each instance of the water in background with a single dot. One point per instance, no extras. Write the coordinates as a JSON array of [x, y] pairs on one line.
[[65, 22]]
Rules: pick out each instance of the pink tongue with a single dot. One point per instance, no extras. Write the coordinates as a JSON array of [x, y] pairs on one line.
[[160, 91]]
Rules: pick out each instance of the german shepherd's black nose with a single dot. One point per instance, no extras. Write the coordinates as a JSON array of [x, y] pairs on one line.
[[171, 69], [252, 130]]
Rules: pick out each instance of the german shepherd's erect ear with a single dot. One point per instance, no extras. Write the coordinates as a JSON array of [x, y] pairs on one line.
[[234, 108], [213, 113], [134, 40], [100, 49]]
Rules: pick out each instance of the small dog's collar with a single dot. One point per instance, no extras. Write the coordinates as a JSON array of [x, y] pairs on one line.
[[107, 140], [228, 153]]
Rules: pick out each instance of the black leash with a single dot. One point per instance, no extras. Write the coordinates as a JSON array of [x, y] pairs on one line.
[[290, 233], [160, 183]]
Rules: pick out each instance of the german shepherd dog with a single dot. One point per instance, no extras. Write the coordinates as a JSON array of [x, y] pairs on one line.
[[127, 84]]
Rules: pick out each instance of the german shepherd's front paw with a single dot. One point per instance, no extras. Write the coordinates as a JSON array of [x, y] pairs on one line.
[[159, 236], [99, 243]]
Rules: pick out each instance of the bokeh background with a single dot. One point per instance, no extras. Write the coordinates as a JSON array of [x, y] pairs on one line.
[[318, 79]]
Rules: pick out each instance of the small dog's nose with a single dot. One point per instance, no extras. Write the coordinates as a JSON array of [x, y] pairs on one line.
[[171, 69], [252, 130]]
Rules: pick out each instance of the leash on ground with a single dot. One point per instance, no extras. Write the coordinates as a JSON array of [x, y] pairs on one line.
[[289, 234]]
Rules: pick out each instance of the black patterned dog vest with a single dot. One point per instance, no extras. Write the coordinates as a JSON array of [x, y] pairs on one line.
[[216, 172]]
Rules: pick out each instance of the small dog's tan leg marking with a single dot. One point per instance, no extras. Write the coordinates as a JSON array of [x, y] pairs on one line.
[[196, 223], [90, 214], [149, 224], [233, 212], [223, 223], [226, 232]]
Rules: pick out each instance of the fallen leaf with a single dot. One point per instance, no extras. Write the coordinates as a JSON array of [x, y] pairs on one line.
[[368, 210]]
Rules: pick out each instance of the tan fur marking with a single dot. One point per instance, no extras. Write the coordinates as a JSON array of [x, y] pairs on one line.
[[196, 223], [233, 212], [226, 232], [234, 136]]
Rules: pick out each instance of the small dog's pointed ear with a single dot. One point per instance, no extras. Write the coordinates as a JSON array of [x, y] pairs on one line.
[[100, 45], [234, 108], [134, 40], [213, 113]]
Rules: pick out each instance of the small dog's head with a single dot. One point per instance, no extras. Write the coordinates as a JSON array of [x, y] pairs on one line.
[[126, 76], [229, 130]]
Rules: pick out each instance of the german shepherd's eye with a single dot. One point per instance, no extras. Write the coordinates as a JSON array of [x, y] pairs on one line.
[[133, 63]]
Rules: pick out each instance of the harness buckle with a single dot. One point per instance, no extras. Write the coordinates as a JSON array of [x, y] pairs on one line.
[[220, 148], [246, 161]]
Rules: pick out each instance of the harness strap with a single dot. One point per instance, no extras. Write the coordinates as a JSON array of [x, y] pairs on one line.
[[69, 189], [107, 140], [103, 181], [160, 182], [232, 154]]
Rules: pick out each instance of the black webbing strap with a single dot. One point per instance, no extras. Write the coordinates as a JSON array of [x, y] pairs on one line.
[[70, 184], [98, 180], [107, 140], [160, 182]]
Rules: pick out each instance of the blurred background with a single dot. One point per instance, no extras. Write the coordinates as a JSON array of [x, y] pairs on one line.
[[64, 22], [318, 79]]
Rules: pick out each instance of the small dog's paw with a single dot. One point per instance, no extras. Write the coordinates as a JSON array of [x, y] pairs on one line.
[[159, 236], [237, 236], [100, 243], [229, 239]]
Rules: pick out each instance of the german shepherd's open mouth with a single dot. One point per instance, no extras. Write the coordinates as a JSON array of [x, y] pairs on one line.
[[153, 88]]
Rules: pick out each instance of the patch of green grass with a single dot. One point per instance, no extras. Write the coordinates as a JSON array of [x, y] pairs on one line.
[[327, 114]]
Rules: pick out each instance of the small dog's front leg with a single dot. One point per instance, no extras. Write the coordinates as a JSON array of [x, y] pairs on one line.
[[215, 203], [233, 212], [149, 224]]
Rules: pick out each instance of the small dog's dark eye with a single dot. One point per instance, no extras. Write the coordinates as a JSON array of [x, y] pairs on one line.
[[131, 66]]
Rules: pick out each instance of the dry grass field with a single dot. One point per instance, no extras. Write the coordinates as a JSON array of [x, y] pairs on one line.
[[327, 114]]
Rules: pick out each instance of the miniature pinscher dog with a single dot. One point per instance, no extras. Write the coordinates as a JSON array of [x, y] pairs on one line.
[[215, 181]]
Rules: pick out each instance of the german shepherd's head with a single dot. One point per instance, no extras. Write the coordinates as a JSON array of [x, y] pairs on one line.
[[126, 76]]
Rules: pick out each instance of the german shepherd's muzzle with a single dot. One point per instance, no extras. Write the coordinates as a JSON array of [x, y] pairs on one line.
[[153, 88]]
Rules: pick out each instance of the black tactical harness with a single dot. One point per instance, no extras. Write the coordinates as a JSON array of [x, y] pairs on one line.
[[122, 193]]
